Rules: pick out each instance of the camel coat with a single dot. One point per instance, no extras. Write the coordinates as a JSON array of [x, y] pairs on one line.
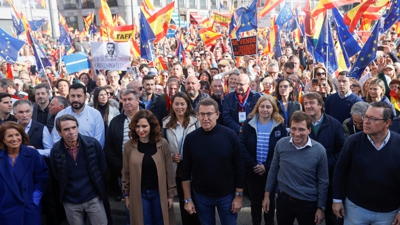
[[132, 173]]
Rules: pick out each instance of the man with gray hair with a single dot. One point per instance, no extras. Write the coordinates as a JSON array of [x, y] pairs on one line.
[[113, 79], [273, 70], [354, 124], [57, 104]]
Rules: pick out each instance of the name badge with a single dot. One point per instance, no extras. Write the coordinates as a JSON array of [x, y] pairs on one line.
[[278, 133], [242, 117]]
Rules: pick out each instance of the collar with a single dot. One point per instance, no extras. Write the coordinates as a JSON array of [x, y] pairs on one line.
[[299, 148], [68, 148], [319, 121], [346, 95], [383, 143], [29, 125]]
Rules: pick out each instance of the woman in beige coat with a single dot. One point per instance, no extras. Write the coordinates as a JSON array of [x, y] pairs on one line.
[[147, 164]]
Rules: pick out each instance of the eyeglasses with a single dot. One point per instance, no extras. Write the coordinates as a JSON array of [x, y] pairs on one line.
[[354, 86], [322, 85], [140, 88], [202, 115], [110, 93], [263, 59], [204, 88], [371, 119], [289, 73], [319, 74]]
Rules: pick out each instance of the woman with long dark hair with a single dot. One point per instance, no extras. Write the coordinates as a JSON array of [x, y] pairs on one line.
[[285, 99], [260, 133], [101, 102], [148, 181], [180, 122]]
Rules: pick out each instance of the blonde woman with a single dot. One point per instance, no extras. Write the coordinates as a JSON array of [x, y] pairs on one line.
[[376, 93], [260, 133]]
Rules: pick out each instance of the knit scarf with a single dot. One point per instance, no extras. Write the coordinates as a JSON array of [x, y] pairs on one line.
[[242, 99]]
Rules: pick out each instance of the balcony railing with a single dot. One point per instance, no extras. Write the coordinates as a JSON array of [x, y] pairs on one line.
[[70, 6]]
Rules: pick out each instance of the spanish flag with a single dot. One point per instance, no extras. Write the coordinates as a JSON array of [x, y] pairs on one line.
[[394, 100], [107, 23], [352, 17], [9, 73], [160, 63], [207, 23], [209, 36], [159, 21], [268, 7], [88, 20], [324, 5], [135, 49]]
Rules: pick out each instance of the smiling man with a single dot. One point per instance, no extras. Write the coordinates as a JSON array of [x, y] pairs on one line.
[[300, 167], [368, 169], [215, 171], [90, 119]]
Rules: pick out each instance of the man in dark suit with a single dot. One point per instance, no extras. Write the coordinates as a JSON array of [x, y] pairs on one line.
[[41, 106]]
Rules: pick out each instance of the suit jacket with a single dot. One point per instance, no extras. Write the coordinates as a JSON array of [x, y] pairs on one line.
[[16, 188], [34, 113]]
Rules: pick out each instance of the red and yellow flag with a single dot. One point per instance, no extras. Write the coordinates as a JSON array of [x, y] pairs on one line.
[[159, 21], [394, 100], [123, 33], [221, 19], [370, 7], [135, 49], [88, 21], [324, 5], [107, 23], [268, 7], [9, 73], [208, 36]]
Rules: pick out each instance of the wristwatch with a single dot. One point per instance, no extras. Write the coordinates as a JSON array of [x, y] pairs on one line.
[[322, 208], [188, 200], [240, 194]]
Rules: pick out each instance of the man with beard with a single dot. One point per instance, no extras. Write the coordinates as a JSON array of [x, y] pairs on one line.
[[41, 107], [172, 87], [153, 102], [192, 87], [218, 95], [90, 119]]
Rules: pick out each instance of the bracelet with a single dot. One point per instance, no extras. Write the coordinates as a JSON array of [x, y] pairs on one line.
[[188, 200], [126, 194]]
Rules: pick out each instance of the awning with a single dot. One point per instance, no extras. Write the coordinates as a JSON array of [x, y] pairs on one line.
[[195, 18]]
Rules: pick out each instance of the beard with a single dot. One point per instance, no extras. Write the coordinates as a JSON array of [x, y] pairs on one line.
[[78, 106], [191, 93]]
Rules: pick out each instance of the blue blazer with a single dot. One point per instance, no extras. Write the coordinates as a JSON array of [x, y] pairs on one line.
[[17, 187]]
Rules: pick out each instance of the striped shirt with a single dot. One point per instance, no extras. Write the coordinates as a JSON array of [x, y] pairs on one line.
[[263, 133]]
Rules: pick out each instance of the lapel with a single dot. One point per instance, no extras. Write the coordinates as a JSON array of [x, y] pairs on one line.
[[24, 160], [8, 175]]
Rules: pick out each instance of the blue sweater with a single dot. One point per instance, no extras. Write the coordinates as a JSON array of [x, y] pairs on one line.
[[213, 161], [368, 177], [340, 108]]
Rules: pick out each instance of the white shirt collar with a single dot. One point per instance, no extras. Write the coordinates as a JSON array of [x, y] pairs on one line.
[[299, 148], [383, 143], [346, 95]]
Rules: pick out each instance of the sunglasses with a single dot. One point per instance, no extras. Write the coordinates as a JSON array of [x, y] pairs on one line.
[[264, 59], [322, 85], [110, 93], [354, 85], [289, 73], [204, 88], [319, 74], [140, 88]]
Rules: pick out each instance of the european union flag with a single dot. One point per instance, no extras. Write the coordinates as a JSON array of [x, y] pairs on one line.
[[277, 47], [41, 59], [92, 28], [36, 24], [284, 16], [65, 38], [146, 39], [9, 46], [368, 52], [325, 48], [18, 27], [346, 39], [248, 19], [393, 16]]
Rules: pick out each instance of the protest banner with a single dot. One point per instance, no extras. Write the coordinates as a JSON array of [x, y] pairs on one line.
[[76, 62], [246, 46], [110, 55], [123, 33]]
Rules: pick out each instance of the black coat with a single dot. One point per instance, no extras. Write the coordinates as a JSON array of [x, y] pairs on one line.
[[248, 141], [113, 144], [158, 107]]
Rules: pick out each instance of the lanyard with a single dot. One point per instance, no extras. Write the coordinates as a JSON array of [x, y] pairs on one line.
[[244, 103]]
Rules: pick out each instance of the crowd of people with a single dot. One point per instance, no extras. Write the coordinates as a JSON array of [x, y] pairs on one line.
[[303, 143]]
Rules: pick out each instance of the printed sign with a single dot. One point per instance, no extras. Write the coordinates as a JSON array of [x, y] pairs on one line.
[[123, 33], [110, 55], [246, 46]]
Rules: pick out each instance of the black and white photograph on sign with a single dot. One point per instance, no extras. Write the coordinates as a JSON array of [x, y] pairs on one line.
[[110, 55], [111, 51]]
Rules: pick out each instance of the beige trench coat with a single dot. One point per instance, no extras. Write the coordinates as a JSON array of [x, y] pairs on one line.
[[131, 180]]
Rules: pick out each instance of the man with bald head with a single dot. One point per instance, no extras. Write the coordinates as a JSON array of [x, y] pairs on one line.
[[192, 87], [237, 105]]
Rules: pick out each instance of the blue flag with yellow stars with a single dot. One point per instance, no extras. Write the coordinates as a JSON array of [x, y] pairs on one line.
[[284, 16], [41, 59], [146, 39], [36, 24], [65, 38], [393, 16], [248, 20], [9, 46], [18, 26], [368, 52], [325, 48]]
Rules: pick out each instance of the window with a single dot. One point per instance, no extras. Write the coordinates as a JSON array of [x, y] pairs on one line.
[[213, 4], [203, 4], [72, 21], [112, 3], [192, 3], [87, 4], [157, 3], [182, 3], [70, 4]]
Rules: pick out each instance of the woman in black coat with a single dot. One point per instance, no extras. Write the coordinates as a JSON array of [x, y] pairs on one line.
[[258, 138]]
